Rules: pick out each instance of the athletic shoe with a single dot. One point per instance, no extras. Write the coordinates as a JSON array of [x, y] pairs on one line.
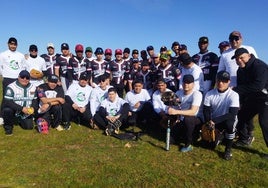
[[1, 121], [59, 128], [66, 125], [265, 156], [227, 155], [9, 133], [108, 132], [243, 143], [186, 149]]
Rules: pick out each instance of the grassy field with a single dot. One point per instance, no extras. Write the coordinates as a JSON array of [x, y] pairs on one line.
[[82, 157]]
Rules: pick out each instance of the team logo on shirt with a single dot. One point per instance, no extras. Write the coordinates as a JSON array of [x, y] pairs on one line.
[[14, 65], [81, 96]]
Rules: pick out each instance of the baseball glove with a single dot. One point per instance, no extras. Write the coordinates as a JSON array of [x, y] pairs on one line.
[[208, 133], [35, 74]]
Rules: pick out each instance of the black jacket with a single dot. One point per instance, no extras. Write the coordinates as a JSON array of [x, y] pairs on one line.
[[252, 80]]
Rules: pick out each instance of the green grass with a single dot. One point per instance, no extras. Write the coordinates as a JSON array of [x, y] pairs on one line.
[[83, 157]]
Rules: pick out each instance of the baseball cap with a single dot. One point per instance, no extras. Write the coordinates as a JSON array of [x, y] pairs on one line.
[[33, 47], [164, 56], [24, 74], [150, 48], [239, 52], [50, 45], [79, 48], [203, 39], [223, 44], [175, 44], [52, 78], [163, 48], [188, 78], [12, 40], [118, 52], [145, 63], [89, 49], [99, 50], [183, 47], [126, 50], [223, 76], [108, 51], [135, 60], [64, 46], [83, 76], [135, 51], [155, 56], [185, 58], [235, 33]]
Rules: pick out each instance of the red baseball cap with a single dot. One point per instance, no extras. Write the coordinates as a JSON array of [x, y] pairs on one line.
[[108, 51], [79, 48], [118, 52]]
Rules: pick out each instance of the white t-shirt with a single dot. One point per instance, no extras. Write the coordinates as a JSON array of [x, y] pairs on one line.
[[11, 64], [113, 108], [158, 103], [198, 75], [132, 98], [192, 99], [97, 96], [79, 95], [229, 65], [221, 102]]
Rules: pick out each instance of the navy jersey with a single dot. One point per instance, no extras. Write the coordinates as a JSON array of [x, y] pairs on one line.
[[76, 67], [118, 71], [62, 64], [209, 63], [50, 62], [147, 78], [98, 69], [170, 74]]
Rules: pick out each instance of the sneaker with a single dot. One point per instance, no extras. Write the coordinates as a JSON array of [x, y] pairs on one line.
[[227, 155], [186, 149], [59, 128], [265, 156], [251, 140], [9, 133], [243, 143], [108, 132], [66, 126], [1, 121]]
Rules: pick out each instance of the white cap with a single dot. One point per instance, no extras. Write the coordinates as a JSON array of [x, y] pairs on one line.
[[50, 45]]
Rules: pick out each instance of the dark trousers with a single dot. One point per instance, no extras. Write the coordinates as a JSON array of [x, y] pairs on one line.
[[70, 113], [53, 116], [145, 113], [192, 126], [10, 119], [248, 111], [102, 122], [5, 83]]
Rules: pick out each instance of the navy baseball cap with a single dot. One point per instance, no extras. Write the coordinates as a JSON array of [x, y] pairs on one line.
[[188, 78], [64, 46], [223, 76], [239, 52], [24, 73], [53, 78]]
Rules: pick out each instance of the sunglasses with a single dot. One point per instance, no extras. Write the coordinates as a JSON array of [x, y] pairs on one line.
[[236, 38], [23, 77]]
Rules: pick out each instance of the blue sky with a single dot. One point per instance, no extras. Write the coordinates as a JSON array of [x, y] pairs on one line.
[[133, 23]]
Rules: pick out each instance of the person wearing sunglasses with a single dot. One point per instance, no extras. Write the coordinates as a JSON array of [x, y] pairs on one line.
[[19, 97], [226, 62]]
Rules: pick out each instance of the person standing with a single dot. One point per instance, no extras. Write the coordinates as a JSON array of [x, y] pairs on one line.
[[221, 106], [35, 65], [252, 87], [208, 61], [10, 65], [50, 58], [61, 65], [19, 97], [226, 62]]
